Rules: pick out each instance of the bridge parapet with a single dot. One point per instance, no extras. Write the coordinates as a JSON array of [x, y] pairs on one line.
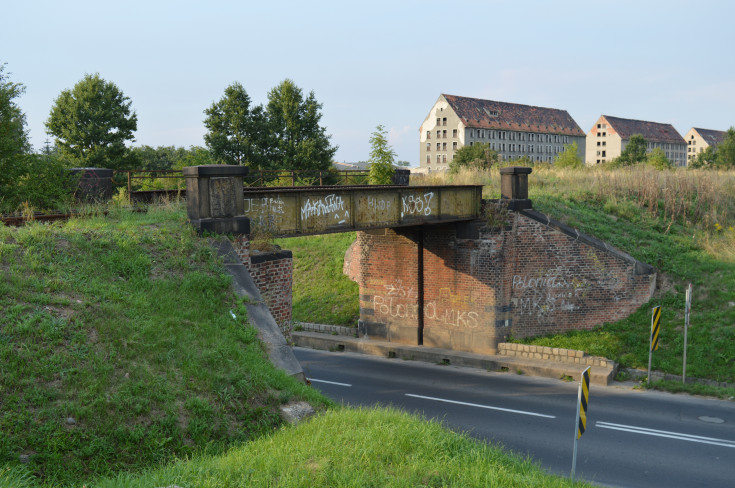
[[287, 212]]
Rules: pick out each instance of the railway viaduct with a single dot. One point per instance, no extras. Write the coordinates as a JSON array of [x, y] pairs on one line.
[[436, 266]]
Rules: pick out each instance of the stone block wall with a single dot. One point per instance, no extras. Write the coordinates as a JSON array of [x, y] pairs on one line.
[[544, 353]]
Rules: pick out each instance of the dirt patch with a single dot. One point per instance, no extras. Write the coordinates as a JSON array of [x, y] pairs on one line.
[[664, 285]]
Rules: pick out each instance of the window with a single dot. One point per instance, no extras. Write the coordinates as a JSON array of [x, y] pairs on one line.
[[438, 145], [454, 132], [428, 134], [492, 146], [471, 143], [599, 126], [444, 146], [503, 146], [438, 134], [604, 143], [603, 154], [438, 158], [444, 133], [530, 148], [472, 132], [438, 121], [598, 143], [444, 158], [454, 146], [444, 121], [428, 146], [428, 159]]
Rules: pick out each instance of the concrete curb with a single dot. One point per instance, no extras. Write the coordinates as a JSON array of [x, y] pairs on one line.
[[527, 366], [259, 316]]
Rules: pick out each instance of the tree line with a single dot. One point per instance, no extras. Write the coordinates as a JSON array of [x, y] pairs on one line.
[[93, 123]]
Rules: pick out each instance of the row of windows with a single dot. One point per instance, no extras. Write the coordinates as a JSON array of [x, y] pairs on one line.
[[694, 149], [522, 147], [520, 136], [442, 158], [441, 121], [441, 134]]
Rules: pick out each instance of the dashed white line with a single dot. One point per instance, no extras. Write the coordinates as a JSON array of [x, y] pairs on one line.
[[664, 433], [328, 382], [510, 410]]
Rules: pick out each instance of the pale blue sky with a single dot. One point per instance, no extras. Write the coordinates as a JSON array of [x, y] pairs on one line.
[[379, 62]]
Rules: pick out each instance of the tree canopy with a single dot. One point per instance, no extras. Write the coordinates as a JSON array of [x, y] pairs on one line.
[[569, 157], [297, 141], [382, 157], [477, 156], [634, 152], [238, 132], [92, 122], [13, 135], [657, 158]]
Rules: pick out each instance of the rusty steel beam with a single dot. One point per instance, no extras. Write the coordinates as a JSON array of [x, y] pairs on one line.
[[287, 212]]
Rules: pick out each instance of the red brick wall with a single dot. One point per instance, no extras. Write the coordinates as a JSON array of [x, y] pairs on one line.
[[533, 277], [273, 275]]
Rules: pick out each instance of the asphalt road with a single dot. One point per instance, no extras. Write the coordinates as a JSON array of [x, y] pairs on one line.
[[633, 439]]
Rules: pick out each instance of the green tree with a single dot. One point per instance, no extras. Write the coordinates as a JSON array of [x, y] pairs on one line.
[[477, 156], [237, 129], [297, 141], [657, 158], [634, 152], [92, 122], [382, 157], [726, 150], [13, 135], [569, 157], [705, 159]]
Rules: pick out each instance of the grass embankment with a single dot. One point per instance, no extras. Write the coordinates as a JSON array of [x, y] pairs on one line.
[[357, 448], [118, 349], [119, 356], [321, 292], [680, 221]]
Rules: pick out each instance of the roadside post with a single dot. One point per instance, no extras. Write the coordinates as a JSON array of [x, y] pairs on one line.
[[687, 310], [655, 327], [580, 422]]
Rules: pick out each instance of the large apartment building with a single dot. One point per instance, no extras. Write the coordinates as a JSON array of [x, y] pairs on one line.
[[609, 136], [511, 129], [700, 139]]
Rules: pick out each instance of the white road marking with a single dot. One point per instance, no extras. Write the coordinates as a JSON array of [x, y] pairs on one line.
[[328, 382], [667, 434], [522, 412]]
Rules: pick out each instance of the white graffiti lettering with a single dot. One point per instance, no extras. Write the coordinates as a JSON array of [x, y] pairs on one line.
[[323, 206], [417, 204]]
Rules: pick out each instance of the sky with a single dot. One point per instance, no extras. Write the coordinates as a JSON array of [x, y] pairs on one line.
[[378, 62]]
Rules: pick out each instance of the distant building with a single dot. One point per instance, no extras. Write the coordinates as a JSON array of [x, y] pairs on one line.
[[700, 139], [609, 136], [511, 129]]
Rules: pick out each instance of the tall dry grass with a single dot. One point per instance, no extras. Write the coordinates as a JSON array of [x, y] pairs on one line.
[[703, 200]]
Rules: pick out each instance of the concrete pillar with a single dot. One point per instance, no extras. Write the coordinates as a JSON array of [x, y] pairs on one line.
[[214, 198], [514, 187]]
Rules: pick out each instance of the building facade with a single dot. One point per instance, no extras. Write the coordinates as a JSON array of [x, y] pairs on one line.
[[700, 139], [513, 130], [610, 135]]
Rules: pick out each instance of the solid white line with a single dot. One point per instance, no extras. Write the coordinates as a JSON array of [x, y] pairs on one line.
[[670, 435], [328, 382], [522, 412]]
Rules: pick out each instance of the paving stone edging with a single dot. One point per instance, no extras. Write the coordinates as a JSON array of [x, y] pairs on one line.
[[325, 329], [554, 354]]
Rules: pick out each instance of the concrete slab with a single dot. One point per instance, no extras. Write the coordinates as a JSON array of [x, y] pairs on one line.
[[527, 366]]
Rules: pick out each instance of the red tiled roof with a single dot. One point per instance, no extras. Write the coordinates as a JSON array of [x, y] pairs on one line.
[[651, 131], [488, 114], [712, 137]]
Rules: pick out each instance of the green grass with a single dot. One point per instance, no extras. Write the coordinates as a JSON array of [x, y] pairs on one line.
[[679, 258], [122, 323], [355, 448], [321, 292]]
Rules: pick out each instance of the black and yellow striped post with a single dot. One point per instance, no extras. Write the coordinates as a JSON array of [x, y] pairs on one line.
[[653, 345], [580, 424]]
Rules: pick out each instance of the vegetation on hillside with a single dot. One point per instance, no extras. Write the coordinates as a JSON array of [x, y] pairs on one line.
[[123, 346], [355, 448]]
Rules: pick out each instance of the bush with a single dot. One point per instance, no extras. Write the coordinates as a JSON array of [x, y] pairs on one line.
[[41, 182]]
